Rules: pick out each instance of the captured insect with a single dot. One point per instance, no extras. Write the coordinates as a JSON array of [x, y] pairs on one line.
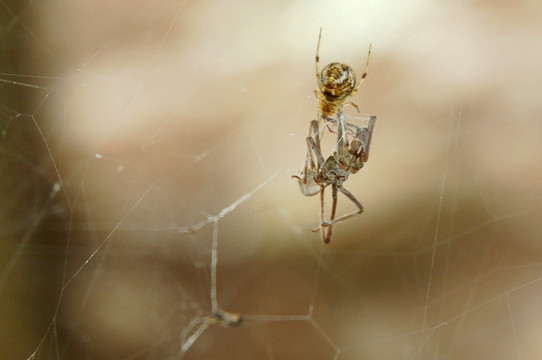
[[335, 83]]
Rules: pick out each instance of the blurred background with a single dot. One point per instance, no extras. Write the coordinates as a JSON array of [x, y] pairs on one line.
[[125, 124]]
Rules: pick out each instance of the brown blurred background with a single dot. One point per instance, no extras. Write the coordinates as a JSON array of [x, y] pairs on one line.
[[124, 121]]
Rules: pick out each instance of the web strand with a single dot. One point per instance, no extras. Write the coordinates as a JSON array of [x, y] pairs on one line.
[[435, 239]]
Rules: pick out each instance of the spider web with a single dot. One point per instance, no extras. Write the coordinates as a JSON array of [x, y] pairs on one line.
[[148, 211]]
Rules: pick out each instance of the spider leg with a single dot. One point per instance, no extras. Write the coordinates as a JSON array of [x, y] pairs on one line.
[[327, 121], [318, 57], [352, 198], [364, 74], [351, 103]]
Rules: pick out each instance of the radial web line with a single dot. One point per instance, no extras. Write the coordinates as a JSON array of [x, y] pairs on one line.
[[435, 239]]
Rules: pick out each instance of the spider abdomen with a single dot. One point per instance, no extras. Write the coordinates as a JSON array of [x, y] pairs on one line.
[[337, 81]]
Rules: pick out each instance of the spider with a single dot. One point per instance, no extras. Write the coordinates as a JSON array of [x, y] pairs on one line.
[[335, 82], [318, 173]]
